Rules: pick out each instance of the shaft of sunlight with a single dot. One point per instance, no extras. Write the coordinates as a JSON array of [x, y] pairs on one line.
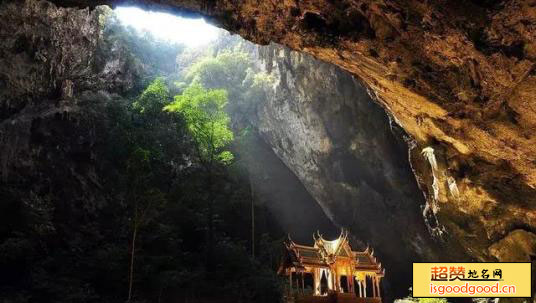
[[191, 32]]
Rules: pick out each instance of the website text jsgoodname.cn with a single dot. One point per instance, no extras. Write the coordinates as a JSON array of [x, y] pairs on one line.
[[467, 289]]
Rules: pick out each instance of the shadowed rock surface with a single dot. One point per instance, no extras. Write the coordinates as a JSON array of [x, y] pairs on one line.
[[353, 160]]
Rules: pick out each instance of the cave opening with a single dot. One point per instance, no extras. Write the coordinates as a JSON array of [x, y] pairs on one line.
[[191, 32]]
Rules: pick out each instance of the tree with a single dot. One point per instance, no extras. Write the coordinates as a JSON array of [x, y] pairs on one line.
[[153, 98], [226, 70], [206, 120], [144, 199], [204, 114], [234, 71], [144, 196]]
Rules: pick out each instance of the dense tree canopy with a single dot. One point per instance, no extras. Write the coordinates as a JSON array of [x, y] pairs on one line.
[[204, 113], [233, 70], [153, 98]]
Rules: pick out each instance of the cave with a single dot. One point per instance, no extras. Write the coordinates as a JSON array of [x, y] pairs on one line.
[[407, 123]]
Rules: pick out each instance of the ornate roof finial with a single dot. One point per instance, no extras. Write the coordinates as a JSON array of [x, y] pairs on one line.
[[289, 240]]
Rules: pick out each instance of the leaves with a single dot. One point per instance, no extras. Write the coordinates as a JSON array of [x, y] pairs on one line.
[[234, 71], [153, 98], [228, 69], [226, 157], [204, 113]]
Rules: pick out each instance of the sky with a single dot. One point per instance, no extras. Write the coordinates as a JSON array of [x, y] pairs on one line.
[[191, 32]]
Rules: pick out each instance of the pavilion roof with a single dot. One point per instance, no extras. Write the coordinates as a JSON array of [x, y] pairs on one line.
[[325, 252]]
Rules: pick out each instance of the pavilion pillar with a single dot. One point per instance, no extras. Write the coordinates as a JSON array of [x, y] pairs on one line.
[[359, 288], [374, 286], [316, 281], [378, 286], [334, 279], [351, 283], [302, 283], [365, 286], [329, 278], [290, 283]]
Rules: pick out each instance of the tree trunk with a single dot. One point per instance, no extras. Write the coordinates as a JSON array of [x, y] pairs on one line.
[[131, 271], [160, 294], [210, 227], [210, 223], [252, 216]]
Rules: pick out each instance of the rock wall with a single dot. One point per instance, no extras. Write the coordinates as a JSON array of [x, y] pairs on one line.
[[39, 70], [353, 159], [58, 72], [278, 189]]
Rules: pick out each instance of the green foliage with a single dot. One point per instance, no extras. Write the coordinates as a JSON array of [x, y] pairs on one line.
[[153, 98], [410, 299], [422, 300], [226, 157], [248, 280], [144, 195], [234, 71], [227, 70], [204, 113]]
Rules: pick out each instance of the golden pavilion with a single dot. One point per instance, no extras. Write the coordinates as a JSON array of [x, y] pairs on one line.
[[330, 272]]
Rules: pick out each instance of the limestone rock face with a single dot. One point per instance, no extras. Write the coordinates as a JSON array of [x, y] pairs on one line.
[[58, 71], [47, 54], [458, 77], [353, 159]]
